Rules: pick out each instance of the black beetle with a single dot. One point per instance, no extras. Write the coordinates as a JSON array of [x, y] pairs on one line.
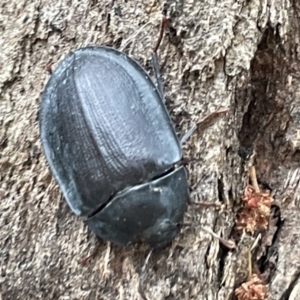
[[111, 146]]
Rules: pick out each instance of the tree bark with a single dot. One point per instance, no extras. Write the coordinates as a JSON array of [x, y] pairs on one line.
[[240, 55]]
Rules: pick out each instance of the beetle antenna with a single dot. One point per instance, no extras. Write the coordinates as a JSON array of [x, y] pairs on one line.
[[154, 53]]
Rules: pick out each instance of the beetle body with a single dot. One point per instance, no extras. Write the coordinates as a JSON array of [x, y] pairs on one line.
[[112, 148]]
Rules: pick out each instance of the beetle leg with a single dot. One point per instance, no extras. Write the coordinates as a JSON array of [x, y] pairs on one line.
[[49, 68], [157, 75], [154, 53], [203, 124], [186, 136], [85, 260]]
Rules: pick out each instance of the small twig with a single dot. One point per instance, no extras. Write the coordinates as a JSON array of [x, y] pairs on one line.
[[255, 242], [253, 177], [250, 273], [230, 244], [145, 264], [142, 277]]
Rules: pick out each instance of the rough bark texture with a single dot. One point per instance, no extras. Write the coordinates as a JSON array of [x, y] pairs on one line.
[[243, 55]]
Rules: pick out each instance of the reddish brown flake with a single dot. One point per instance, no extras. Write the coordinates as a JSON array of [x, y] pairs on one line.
[[254, 289], [256, 210]]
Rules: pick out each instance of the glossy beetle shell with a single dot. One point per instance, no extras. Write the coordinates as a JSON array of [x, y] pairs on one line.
[[111, 146]]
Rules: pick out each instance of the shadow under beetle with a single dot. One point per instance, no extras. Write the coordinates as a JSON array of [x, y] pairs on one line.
[[111, 146]]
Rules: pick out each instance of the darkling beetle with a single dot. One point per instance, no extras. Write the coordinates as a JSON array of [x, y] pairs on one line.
[[111, 146]]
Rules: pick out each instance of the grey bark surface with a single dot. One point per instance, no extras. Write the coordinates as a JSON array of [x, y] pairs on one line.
[[242, 55]]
